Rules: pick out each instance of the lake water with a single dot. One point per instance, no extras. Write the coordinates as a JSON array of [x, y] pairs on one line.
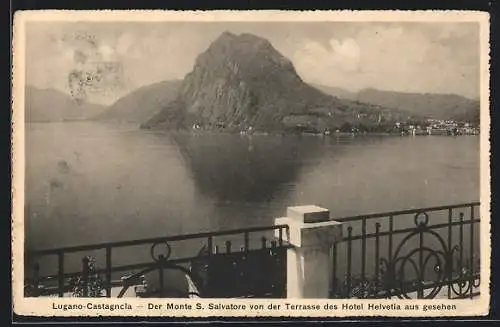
[[94, 182]]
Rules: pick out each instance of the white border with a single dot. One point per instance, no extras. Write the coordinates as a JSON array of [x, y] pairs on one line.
[[43, 307]]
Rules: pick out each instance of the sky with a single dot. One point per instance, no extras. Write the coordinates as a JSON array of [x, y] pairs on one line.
[[424, 57]]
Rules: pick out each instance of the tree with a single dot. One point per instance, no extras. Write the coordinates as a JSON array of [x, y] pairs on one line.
[[362, 127], [346, 127]]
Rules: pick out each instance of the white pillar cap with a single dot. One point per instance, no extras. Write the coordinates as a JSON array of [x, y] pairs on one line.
[[308, 213]]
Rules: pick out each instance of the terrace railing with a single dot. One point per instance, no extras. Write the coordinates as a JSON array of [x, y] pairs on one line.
[[256, 269], [419, 253]]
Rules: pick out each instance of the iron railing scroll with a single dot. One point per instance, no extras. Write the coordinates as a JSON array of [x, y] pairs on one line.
[[257, 268], [417, 259]]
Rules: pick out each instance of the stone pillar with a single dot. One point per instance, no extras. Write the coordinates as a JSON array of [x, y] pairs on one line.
[[309, 263]]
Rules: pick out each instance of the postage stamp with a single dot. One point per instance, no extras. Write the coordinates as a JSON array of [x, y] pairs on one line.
[[251, 163]]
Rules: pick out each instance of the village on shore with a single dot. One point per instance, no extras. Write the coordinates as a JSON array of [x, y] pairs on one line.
[[427, 127]]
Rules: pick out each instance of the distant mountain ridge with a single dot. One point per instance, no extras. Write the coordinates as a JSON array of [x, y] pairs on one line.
[[241, 81], [432, 105], [50, 105], [338, 92], [439, 106], [142, 103]]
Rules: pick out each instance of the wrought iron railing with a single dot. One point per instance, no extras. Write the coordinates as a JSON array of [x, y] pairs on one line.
[[417, 253], [256, 269], [403, 254]]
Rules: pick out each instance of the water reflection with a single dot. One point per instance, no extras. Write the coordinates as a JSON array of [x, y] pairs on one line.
[[249, 169]]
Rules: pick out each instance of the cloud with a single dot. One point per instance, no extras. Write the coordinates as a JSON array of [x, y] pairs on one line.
[[106, 52], [124, 42], [345, 52], [401, 58], [342, 55]]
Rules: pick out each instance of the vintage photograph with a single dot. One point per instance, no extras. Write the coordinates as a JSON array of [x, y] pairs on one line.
[[251, 158]]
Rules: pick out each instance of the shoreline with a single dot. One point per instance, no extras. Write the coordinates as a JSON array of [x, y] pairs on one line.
[[255, 133], [333, 135]]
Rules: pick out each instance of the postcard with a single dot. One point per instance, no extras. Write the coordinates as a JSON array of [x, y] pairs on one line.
[[251, 163]]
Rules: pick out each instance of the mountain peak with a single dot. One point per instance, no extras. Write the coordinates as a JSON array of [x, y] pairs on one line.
[[242, 80], [242, 56], [242, 45], [225, 37], [243, 37]]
